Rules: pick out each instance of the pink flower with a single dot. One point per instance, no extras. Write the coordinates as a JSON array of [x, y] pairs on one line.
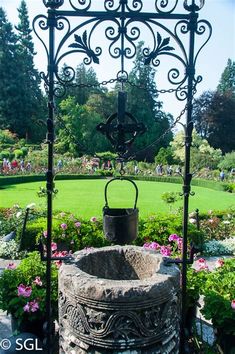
[[64, 226], [34, 306], [180, 243], [24, 290], [201, 263], [27, 307], [45, 234], [11, 266], [154, 246], [173, 237], [77, 224], [165, 251], [53, 246], [38, 281], [31, 306], [233, 304], [146, 245], [93, 219], [219, 263]]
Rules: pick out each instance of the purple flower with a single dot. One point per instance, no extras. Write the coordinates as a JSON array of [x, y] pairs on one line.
[[146, 245], [173, 237], [165, 251], [64, 226], [154, 246], [27, 307], [24, 290], [77, 224], [34, 306], [31, 306]]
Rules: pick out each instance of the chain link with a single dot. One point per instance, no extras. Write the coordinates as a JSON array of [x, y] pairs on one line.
[[59, 119], [177, 120]]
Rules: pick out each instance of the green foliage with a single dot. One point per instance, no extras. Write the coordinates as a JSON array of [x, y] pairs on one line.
[[4, 154], [165, 156], [227, 80], [170, 197], [7, 137], [107, 155], [26, 273], [202, 154], [228, 161], [229, 187], [18, 153], [33, 230], [219, 291], [213, 114]]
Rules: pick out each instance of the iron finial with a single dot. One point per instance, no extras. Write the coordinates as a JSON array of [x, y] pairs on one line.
[[53, 4], [191, 5]]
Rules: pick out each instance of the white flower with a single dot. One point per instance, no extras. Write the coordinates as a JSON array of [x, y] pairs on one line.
[[31, 206], [18, 214], [226, 222], [192, 221]]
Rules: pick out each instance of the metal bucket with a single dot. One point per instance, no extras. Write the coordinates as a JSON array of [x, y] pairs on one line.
[[120, 225]]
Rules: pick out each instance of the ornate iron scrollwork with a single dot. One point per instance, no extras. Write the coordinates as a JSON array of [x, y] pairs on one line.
[[121, 128]]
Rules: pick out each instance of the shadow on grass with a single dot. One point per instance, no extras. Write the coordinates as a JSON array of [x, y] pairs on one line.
[[9, 186]]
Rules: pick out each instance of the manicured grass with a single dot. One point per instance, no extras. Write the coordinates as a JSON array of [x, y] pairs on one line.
[[85, 198]]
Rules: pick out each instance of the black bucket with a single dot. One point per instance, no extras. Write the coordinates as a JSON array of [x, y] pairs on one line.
[[120, 225]]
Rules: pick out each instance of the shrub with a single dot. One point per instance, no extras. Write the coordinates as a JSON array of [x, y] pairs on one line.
[[219, 248], [31, 273], [4, 154], [18, 153], [25, 150], [10, 250], [229, 187], [219, 292]]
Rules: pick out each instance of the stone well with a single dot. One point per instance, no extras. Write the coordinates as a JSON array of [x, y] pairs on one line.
[[119, 299]]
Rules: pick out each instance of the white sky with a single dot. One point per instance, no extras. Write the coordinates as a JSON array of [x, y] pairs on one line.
[[210, 64]]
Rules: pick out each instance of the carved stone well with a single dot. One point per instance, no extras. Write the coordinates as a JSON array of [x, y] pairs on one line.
[[119, 299]]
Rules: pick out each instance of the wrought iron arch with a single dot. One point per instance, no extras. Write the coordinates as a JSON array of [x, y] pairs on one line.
[[76, 22]]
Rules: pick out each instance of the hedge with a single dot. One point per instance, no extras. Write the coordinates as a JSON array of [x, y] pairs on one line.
[[7, 180]]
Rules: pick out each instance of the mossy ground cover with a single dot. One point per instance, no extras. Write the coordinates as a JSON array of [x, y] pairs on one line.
[[85, 198]]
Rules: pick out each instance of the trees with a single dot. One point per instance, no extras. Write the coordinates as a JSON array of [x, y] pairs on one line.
[[202, 154], [214, 112], [9, 86], [31, 104], [227, 80], [21, 100], [214, 118], [143, 104]]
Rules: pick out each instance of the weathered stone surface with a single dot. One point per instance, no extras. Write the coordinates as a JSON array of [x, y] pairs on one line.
[[119, 300]]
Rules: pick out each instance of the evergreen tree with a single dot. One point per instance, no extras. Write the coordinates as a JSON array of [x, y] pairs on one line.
[[9, 85], [31, 105], [143, 104], [227, 81]]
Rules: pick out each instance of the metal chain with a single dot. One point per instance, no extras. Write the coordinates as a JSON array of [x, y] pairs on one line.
[[177, 120], [157, 91]]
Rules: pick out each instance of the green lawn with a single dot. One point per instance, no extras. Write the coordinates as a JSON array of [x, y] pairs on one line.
[[85, 198]]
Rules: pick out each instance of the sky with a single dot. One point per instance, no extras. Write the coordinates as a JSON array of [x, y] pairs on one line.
[[210, 64]]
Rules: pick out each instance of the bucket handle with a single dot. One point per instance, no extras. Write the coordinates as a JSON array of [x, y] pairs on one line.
[[121, 179]]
